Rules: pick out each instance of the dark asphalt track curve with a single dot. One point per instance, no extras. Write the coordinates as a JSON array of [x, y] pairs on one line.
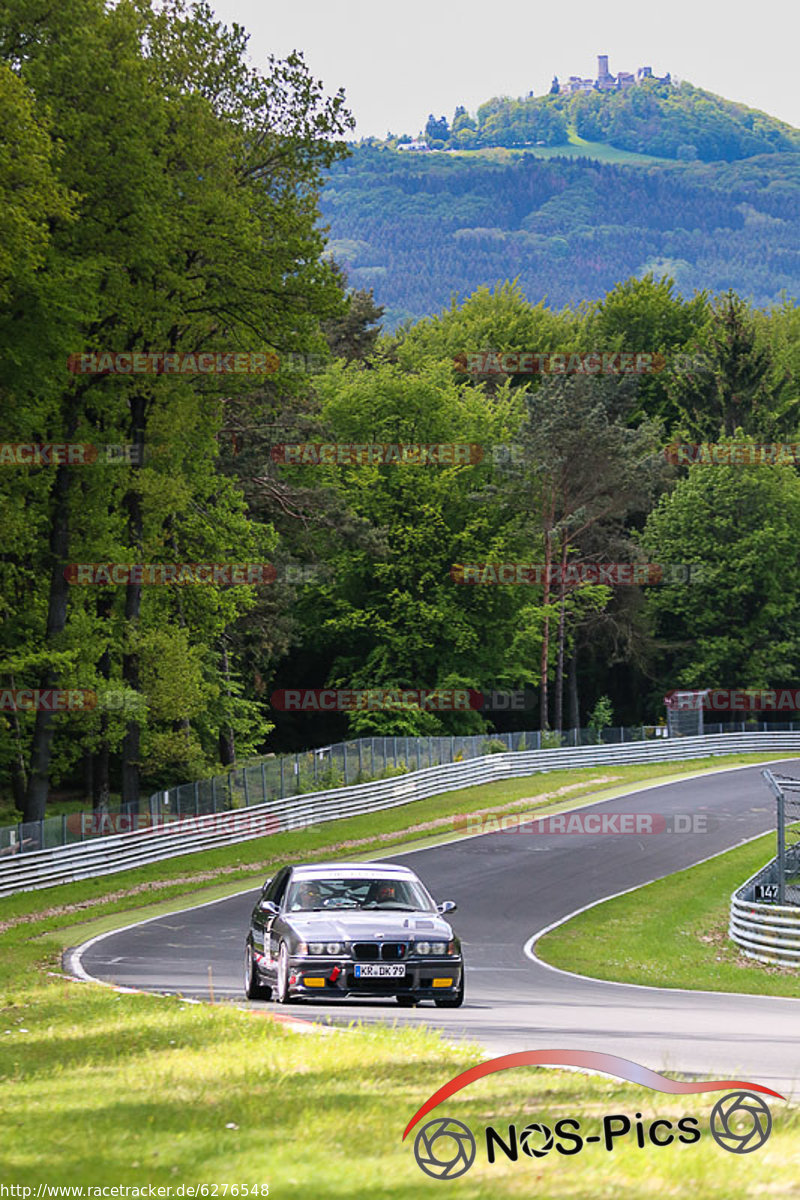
[[509, 887]]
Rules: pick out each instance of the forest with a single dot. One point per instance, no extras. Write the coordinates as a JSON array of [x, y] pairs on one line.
[[420, 229]]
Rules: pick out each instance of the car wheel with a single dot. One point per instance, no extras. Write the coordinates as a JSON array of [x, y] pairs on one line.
[[454, 1001], [253, 988], [406, 1001], [282, 981]]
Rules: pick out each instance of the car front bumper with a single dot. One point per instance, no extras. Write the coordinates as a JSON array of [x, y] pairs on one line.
[[428, 978]]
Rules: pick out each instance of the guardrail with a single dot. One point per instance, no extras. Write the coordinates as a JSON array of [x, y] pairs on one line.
[[767, 932], [119, 852], [273, 777], [762, 924]]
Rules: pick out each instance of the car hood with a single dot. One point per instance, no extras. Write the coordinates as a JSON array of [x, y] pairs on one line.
[[370, 926]]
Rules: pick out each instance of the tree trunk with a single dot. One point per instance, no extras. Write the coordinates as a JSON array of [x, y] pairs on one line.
[[227, 743], [572, 690], [562, 622], [545, 658], [101, 782], [133, 600], [19, 775], [87, 764], [41, 746]]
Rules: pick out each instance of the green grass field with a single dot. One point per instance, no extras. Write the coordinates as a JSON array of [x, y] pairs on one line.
[[576, 147], [103, 1088], [673, 933]]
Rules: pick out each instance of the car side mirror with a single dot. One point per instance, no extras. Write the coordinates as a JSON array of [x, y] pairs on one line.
[[268, 906], [447, 906]]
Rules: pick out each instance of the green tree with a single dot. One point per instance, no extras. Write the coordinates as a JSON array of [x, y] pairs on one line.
[[582, 471], [736, 622], [196, 229], [734, 383]]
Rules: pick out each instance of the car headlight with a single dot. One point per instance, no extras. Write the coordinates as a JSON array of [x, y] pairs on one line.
[[325, 948], [443, 948]]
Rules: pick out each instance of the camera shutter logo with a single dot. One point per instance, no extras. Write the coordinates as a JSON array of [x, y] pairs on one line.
[[527, 1140], [444, 1148], [740, 1122]]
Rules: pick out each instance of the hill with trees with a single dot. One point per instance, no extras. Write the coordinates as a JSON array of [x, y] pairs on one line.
[[656, 117], [421, 228]]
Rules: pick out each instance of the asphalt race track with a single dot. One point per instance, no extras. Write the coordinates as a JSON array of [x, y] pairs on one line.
[[509, 887]]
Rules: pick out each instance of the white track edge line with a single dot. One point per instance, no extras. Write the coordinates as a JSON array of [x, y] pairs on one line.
[[75, 955], [530, 953], [73, 958]]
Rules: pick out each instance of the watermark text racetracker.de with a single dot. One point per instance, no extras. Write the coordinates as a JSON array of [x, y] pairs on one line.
[[228, 362], [733, 453], [589, 823], [68, 454], [734, 700], [213, 574], [363, 454], [383, 699], [233, 823], [528, 362], [574, 574]]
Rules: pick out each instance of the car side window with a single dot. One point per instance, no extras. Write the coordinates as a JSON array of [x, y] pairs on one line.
[[275, 885], [280, 890]]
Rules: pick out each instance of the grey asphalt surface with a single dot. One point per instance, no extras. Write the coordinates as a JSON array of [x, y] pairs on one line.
[[507, 887]]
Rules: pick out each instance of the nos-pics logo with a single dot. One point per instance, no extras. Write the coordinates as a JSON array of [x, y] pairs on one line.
[[445, 1148]]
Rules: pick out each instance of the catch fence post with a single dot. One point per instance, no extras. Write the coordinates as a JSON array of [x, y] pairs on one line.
[[781, 848]]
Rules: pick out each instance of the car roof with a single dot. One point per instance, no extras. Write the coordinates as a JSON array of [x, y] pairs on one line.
[[363, 870]]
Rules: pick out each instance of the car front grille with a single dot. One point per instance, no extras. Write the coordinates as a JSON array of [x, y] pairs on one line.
[[372, 951], [392, 951], [366, 951]]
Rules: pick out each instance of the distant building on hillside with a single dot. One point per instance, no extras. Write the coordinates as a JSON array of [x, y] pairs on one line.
[[606, 81], [576, 84], [420, 146]]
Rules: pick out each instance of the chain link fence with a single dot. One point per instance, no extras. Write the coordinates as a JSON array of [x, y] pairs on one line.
[[784, 885], [343, 764]]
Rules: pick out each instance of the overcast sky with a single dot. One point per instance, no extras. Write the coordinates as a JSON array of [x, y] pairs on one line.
[[398, 63]]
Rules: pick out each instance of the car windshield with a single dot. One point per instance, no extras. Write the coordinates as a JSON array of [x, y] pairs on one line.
[[322, 895]]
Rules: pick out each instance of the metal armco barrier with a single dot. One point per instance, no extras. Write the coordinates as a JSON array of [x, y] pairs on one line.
[[768, 932], [120, 852]]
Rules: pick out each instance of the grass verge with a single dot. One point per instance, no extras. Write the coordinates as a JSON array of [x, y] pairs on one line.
[[100, 1088], [105, 1089], [672, 933]]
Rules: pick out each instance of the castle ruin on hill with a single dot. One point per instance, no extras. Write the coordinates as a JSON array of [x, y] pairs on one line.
[[606, 81]]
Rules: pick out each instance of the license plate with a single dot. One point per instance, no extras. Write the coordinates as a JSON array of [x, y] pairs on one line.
[[380, 970]]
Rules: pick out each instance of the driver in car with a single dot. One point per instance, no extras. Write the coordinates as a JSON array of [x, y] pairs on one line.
[[308, 897], [381, 893]]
